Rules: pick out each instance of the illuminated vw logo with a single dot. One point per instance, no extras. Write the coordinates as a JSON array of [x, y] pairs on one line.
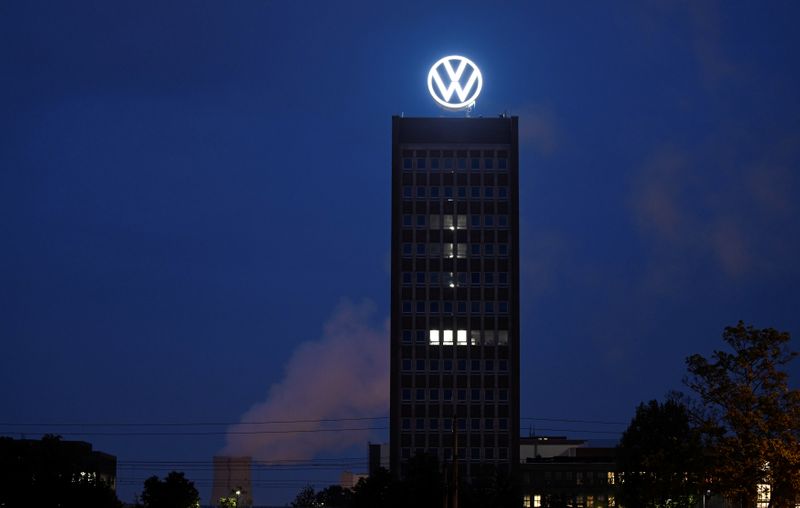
[[454, 95]]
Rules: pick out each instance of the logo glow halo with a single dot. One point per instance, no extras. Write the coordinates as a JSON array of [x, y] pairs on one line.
[[444, 98]]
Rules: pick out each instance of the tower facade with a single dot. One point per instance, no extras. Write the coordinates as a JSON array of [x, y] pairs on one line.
[[455, 292]]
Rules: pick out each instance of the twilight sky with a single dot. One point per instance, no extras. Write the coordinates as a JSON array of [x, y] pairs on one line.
[[194, 210]]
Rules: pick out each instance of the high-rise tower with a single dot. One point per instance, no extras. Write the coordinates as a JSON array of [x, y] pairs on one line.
[[455, 291]]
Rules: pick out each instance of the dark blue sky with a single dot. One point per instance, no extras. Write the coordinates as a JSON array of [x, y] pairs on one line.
[[190, 192]]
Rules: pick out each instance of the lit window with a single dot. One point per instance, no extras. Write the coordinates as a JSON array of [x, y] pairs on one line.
[[461, 337], [537, 501], [461, 251], [611, 479], [448, 250], [526, 501], [461, 221], [434, 221], [475, 340], [447, 338], [502, 337], [434, 338], [447, 222], [488, 337]]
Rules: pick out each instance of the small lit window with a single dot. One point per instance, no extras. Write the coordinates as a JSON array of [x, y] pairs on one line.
[[475, 340], [434, 338], [526, 501], [537, 501], [447, 338], [461, 250], [461, 221], [502, 337], [461, 337]]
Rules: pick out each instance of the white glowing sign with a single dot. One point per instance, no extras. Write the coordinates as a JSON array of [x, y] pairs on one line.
[[464, 95]]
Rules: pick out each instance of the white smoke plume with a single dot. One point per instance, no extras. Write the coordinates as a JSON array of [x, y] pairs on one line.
[[345, 374]]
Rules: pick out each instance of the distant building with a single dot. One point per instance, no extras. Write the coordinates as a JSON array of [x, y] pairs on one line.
[[378, 457], [455, 292], [349, 479], [232, 478], [32, 470], [556, 472]]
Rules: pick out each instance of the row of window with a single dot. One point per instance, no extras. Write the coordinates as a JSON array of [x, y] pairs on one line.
[[461, 423], [475, 192], [474, 453], [424, 307], [471, 337], [448, 364], [432, 394], [452, 280], [458, 250], [450, 163], [455, 222]]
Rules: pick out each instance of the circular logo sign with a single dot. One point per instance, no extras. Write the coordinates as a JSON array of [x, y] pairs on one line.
[[455, 82]]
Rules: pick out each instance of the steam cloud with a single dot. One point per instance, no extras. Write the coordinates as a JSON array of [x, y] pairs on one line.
[[345, 374]]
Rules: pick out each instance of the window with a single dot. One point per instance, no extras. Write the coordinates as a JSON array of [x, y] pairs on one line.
[[476, 365], [420, 307], [447, 222], [461, 250], [462, 365], [488, 192], [475, 192], [420, 277], [488, 277], [406, 338], [488, 395], [406, 278], [475, 340], [420, 163], [502, 365], [526, 501], [434, 276], [461, 337], [406, 163], [434, 393], [434, 163], [434, 222], [475, 453], [434, 337], [476, 277], [420, 394], [488, 337], [488, 220], [461, 221], [421, 337], [420, 192], [406, 423], [420, 221], [489, 453], [433, 424], [462, 394], [488, 249], [405, 394], [420, 424], [433, 364], [448, 164], [434, 307], [502, 278], [406, 364], [502, 337], [447, 395], [448, 307], [406, 250], [475, 249], [448, 192], [475, 394], [475, 307], [503, 423], [447, 338], [502, 192], [489, 365], [407, 220], [447, 365], [420, 365], [488, 307], [488, 424], [434, 192], [407, 191], [462, 424], [462, 163], [462, 192], [475, 221], [502, 163], [406, 307], [475, 164], [406, 452], [461, 307], [537, 501], [502, 221], [488, 163], [502, 249], [503, 307]]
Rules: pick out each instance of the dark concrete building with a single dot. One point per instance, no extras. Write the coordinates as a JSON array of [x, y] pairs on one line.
[[455, 291]]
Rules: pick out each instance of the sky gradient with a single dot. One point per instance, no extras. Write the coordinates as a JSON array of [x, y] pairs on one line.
[[194, 205]]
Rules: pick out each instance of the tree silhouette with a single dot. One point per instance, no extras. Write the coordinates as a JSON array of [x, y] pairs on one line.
[[749, 416], [175, 491]]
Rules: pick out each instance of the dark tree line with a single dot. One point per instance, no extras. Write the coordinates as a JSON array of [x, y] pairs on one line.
[[736, 433]]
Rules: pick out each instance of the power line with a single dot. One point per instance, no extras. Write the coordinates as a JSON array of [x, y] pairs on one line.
[[187, 424], [216, 433]]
